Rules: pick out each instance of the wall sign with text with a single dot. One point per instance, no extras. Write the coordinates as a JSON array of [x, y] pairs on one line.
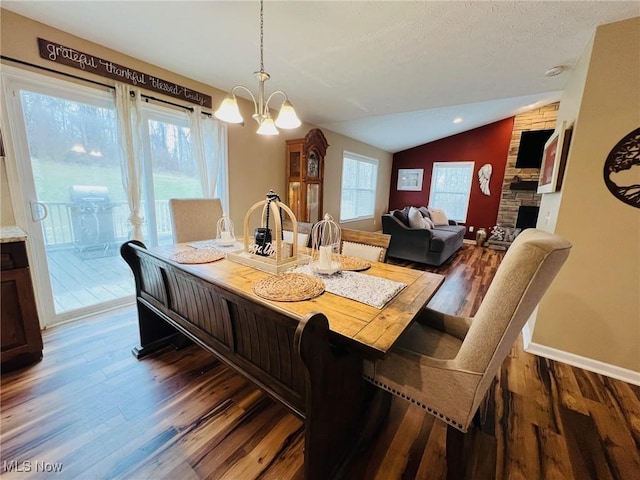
[[90, 63]]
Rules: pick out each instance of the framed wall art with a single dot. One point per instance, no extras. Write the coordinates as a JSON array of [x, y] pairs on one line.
[[410, 179], [554, 158]]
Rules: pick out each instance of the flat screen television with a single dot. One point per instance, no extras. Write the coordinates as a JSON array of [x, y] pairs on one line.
[[531, 148]]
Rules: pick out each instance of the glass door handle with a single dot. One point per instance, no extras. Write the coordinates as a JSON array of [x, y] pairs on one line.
[[39, 211]]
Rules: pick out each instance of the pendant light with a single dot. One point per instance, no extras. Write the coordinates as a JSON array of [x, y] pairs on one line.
[[230, 113]]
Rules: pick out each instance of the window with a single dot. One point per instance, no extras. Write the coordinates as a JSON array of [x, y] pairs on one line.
[[450, 188], [359, 179], [170, 170]]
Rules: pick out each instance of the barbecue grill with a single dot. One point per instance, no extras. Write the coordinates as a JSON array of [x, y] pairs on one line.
[[92, 220]]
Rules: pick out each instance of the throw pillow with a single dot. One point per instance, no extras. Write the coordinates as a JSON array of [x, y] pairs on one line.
[[360, 250], [438, 217], [402, 216], [429, 223], [497, 233], [425, 212], [416, 220]]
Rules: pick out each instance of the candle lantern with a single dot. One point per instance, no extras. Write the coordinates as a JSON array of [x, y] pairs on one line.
[[265, 249], [325, 246], [225, 234]]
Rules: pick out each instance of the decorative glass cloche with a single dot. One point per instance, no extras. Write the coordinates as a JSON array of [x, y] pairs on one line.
[[325, 242], [225, 235]]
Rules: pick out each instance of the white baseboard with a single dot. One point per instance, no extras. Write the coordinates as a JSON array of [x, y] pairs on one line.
[[585, 363]]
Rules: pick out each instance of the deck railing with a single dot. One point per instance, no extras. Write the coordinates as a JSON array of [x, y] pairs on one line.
[[71, 223]]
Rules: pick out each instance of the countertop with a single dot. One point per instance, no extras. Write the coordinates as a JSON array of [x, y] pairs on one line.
[[11, 233]]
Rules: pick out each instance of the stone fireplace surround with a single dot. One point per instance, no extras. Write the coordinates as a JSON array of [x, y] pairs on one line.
[[519, 184], [519, 199]]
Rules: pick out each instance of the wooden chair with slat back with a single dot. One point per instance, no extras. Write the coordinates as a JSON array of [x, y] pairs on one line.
[[194, 219], [366, 245]]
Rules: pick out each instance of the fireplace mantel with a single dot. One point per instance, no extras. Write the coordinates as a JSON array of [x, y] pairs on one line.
[[524, 185]]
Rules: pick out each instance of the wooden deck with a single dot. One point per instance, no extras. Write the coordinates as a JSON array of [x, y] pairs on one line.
[[82, 279]]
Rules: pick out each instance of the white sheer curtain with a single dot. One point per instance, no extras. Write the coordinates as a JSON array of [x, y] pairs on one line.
[[209, 140], [129, 119]]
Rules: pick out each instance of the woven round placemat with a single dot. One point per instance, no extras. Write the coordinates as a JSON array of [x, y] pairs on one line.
[[289, 287], [352, 264], [198, 255]]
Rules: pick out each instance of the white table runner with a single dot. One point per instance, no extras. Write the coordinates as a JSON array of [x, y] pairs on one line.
[[214, 244], [363, 288]]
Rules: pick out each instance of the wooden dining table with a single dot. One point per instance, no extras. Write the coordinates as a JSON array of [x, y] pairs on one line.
[[370, 330], [307, 354]]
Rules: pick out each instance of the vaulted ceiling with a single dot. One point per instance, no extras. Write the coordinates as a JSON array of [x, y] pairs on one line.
[[392, 74]]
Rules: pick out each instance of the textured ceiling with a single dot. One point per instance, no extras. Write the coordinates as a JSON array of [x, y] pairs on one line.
[[392, 74]]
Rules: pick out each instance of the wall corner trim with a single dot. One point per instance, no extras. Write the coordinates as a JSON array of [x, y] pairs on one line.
[[596, 366], [526, 335]]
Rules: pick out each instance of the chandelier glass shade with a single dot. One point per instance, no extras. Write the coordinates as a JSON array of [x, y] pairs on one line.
[[230, 112]]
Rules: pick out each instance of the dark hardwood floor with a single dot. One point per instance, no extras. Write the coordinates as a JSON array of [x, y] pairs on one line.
[[91, 411]]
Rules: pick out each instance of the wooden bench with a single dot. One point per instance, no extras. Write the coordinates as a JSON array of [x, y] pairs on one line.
[[291, 359]]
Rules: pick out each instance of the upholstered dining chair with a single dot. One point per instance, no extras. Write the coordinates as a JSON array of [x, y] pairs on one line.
[[370, 246], [304, 233], [446, 364], [194, 219]]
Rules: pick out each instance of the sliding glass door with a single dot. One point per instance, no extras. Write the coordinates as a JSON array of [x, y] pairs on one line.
[[69, 169], [170, 170]]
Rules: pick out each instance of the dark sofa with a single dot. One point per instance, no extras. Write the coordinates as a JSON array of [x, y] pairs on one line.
[[433, 247]]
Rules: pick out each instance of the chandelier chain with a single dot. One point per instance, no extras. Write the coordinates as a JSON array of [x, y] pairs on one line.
[[229, 111], [261, 37]]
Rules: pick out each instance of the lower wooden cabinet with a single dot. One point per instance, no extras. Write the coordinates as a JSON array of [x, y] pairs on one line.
[[20, 337]]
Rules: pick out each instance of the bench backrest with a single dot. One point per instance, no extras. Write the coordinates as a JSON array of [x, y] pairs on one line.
[[292, 359]]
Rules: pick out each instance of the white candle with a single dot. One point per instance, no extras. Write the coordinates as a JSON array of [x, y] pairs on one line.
[[325, 258], [225, 236]]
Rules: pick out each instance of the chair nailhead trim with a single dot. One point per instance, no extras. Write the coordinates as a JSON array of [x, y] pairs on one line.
[[433, 412]]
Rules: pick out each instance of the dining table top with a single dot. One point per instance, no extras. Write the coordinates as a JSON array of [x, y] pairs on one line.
[[371, 330]]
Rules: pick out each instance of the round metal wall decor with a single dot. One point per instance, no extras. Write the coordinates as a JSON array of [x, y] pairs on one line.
[[622, 169]]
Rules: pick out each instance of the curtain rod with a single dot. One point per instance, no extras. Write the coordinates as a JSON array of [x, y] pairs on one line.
[[76, 77]]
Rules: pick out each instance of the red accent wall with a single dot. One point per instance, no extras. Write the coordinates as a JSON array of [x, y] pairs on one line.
[[487, 144]]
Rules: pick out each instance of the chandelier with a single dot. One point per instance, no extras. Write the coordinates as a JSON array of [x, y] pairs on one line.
[[229, 111]]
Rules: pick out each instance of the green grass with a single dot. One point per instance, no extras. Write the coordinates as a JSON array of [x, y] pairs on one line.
[[54, 179]]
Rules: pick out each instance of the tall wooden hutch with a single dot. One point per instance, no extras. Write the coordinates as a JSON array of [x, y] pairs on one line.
[[305, 175]]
